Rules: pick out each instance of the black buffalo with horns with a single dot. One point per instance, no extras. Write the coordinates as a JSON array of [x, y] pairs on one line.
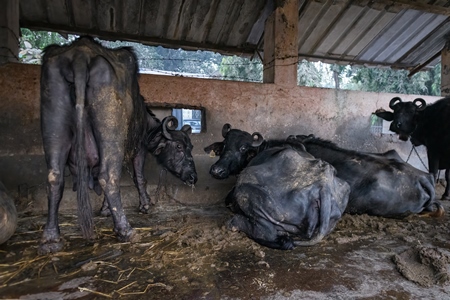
[[93, 118], [427, 125]]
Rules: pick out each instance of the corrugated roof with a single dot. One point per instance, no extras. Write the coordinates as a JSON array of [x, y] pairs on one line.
[[397, 33]]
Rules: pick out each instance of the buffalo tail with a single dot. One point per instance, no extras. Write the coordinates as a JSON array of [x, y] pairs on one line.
[[84, 204]]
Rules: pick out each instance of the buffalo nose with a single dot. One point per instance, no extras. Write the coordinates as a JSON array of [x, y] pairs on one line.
[[218, 172]]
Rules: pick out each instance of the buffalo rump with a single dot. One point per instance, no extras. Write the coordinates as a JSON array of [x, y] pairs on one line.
[[382, 184]]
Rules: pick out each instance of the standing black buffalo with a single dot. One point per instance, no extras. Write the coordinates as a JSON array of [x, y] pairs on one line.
[[92, 118], [427, 125], [382, 184], [285, 198]]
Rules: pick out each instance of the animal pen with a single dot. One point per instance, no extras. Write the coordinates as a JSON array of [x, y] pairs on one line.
[[186, 251]]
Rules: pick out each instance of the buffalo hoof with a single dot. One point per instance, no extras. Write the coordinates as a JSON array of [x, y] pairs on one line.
[[51, 242], [144, 208], [105, 212], [445, 197], [129, 235], [286, 243], [435, 210], [232, 226], [50, 247]]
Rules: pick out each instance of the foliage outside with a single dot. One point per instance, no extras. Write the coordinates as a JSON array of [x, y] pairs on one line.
[[212, 65]]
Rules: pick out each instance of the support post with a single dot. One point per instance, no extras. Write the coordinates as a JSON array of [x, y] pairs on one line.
[[9, 31], [281, 44]]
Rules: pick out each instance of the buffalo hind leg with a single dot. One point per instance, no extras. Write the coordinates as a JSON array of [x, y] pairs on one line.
[[51, 241], [109, 180], [261, 231]]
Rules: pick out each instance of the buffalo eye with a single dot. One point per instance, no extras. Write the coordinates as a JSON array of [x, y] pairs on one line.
[[179, 147], [243, 149]]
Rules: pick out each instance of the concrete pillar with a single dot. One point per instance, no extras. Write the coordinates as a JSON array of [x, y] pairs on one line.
[[9, 31], [281, 44]]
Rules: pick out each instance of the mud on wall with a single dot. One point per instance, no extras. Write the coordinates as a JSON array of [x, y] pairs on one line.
[[274, 111]]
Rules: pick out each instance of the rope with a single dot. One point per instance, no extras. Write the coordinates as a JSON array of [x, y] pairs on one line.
[[415, 150]]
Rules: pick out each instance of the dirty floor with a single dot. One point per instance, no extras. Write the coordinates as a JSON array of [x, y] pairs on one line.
[[187, 253]]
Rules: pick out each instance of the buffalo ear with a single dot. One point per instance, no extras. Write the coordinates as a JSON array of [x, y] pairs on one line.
[[385, 115], [216, 147], [159, 148], [257, 139], [187, 128], [225, 129]]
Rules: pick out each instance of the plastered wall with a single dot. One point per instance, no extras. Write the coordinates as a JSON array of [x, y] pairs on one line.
[[273, 110]]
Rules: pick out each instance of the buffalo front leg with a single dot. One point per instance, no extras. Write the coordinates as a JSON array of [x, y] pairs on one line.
[[104, 211], [141, 184], [140, 181]]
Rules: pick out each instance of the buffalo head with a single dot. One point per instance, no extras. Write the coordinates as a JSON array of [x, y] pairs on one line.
[[237, 149], [403, 117], [173, 150]]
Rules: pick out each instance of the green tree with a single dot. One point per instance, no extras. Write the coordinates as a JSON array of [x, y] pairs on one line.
[[32, 43], [241, 69], [397, 81], [309, 74]]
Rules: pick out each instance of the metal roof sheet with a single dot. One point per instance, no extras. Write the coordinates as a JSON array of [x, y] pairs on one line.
[[397, 33]]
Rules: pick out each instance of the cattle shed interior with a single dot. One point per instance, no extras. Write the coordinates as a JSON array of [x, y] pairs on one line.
[[401, 34]]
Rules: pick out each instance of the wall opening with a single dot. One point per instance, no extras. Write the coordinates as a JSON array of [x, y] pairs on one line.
[[379, 126], [186, 115]]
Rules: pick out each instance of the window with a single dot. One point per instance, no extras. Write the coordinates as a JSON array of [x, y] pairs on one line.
[[378, 126], [193, 116]]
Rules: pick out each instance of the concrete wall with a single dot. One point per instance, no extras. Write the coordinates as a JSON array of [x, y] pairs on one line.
[[273, 110]]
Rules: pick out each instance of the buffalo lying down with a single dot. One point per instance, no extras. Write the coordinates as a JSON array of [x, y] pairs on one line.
[[374, 179], [381, 184], [236, 151], [8, 215], [92, 118], [285, 198]]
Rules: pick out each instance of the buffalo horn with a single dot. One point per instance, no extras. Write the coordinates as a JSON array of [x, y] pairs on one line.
[[257, 139], [169, 123], [226, 127], [394, 101], [420, 103]]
